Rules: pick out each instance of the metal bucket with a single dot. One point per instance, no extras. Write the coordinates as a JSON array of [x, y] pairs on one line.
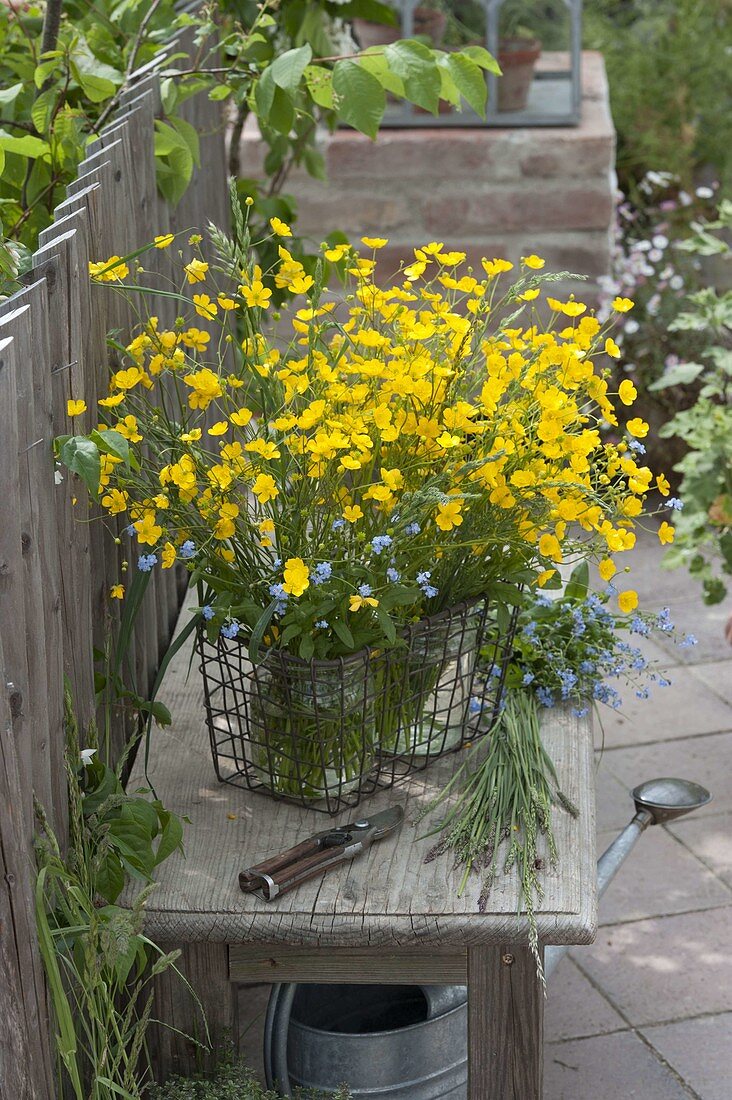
[[397, 1042]]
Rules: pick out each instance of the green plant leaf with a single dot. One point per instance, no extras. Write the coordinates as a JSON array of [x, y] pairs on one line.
[[287, 69], [361, 100], [482, 59], [259, 631], [81, 456], [96, 88], [264, 91], [344, 633], [469, 81], [282, 112], [26, 146], [680, 375], [415, 65], [171, 839]]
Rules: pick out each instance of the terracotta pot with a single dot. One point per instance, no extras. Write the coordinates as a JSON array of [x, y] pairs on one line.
[[427, 23], [517, 58]]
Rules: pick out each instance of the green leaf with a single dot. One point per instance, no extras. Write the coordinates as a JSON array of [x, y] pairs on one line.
[[42, 109], [372, 10], [189, 136], [110, 878], [318, 81], [482, 59], [282, 112], [415, 64], [287, 69], [578, 583], [343, 633], [112, 443], [96, 88], [307, 647], [469, 81], [680, 375], [259, 631], [26, 146], [44, 70], [81, 456], [171, 839], [361, 98], [219, 92], [386, 624], [264, 91]]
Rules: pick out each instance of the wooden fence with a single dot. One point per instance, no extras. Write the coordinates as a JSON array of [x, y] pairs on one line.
[[56, 567]]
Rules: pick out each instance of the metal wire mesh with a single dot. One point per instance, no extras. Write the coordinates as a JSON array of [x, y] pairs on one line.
[[325, 733]]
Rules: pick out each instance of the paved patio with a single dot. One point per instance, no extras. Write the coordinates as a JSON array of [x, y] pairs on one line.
[[647, 1010]]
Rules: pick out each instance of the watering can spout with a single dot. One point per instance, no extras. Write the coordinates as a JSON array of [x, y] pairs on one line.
[[657, 801]]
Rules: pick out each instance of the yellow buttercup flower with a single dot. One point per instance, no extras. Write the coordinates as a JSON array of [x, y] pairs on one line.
[[666, 533], [623, 305], [75, 407], [221, 427], [449, 515], [264, 488], [533, 261], [196, 271], [627, 392], [663, 485], [375, 242], [280, 228], [164, 240], [128, 379], [117, 592], [352, 513], [569, 309], [550, 547], [637, 428], [612, 349], [225, 302], [148, 529], [204, 306], [110, 402], [337, 252], [496, 267], [355, 603], [168, 555], [296, 574], [109, 271], [257, 295], [241, 417], [115, 501], [628, 601], [607, 569], [205, 386]]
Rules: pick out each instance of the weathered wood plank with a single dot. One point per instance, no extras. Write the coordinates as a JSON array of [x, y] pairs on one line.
[[505, 1024], [387, 898], [25, 1056], [58, 263], [408, 965], [182, 1044]]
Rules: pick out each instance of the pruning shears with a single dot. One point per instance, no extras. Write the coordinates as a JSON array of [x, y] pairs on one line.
[[275, 876]]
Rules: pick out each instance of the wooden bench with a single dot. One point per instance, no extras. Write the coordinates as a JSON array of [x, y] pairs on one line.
[[386, 917]]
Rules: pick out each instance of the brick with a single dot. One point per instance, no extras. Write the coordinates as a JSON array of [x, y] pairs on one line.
[[506, 209], [425, 154], [582, 254], [322, 209], [566, 158]]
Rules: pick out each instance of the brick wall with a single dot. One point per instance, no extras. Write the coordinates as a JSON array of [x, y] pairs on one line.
[[495, 192]]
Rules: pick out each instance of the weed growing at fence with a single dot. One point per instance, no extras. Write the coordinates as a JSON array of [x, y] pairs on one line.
[[99, 963]]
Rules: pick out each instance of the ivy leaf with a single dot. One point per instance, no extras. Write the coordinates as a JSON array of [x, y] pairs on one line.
[[415, 64], [469, 81], [81, 456], [287, 70], [361, 98]]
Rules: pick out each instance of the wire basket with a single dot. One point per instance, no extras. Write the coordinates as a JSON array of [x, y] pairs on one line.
[[325, 733]]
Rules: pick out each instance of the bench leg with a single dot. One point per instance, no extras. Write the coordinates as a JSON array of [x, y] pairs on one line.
[[206, 966], [505, 1024]]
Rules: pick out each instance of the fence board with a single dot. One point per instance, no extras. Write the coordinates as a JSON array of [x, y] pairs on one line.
[[25, 1064]]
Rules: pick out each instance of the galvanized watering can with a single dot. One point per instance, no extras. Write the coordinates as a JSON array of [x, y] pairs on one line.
[[410, 1042]]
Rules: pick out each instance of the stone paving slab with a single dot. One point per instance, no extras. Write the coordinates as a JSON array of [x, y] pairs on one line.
[[574, 1009], [707, 759], [666, 968], [683, 709], [618, 1066], [614, 807], [700, 1051], [717, 676], [660, 877], [710, 841]]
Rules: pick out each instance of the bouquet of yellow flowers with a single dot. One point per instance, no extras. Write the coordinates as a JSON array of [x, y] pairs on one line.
[[367, 460]]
